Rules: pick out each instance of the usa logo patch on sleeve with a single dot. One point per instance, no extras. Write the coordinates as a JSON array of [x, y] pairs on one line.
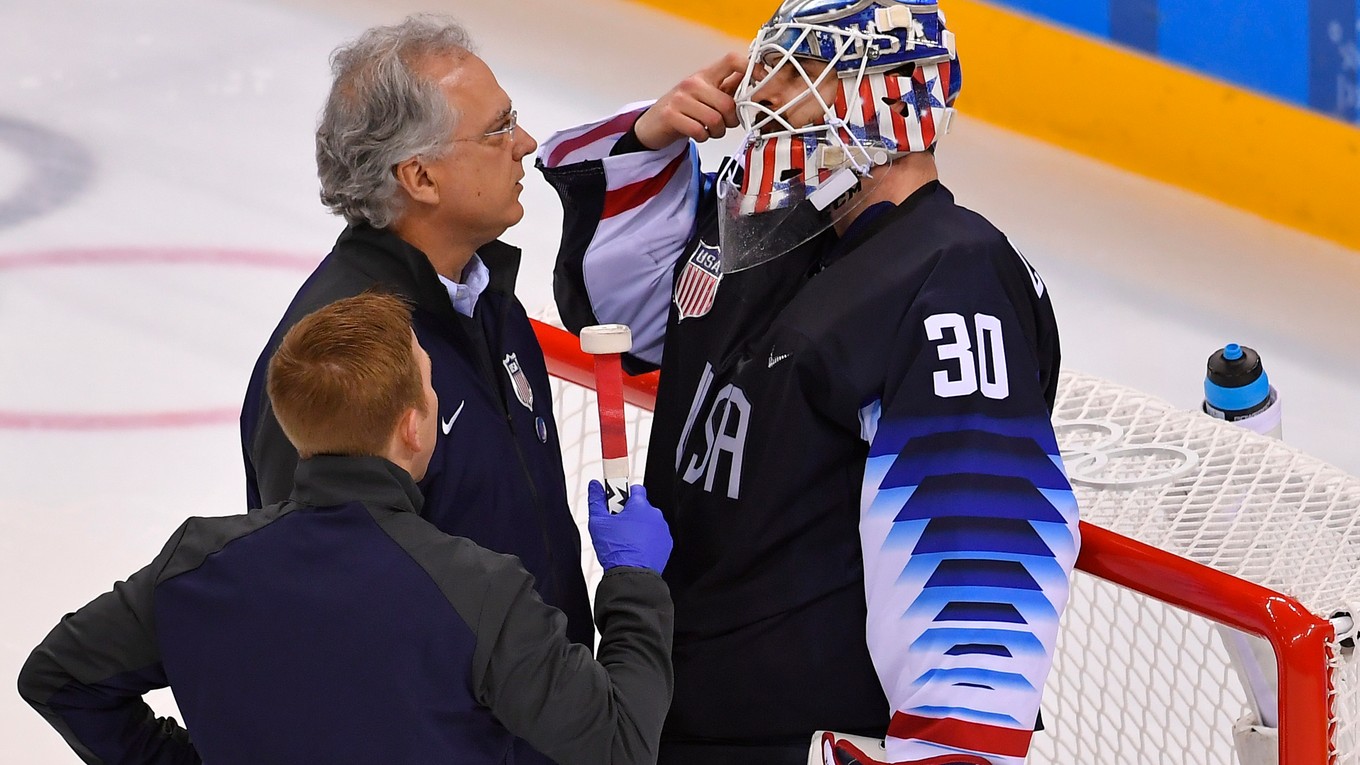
[[523, 391], [698, 282]]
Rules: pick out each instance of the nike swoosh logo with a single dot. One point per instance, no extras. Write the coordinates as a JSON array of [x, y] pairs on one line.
[[447, 425], [776, 359]]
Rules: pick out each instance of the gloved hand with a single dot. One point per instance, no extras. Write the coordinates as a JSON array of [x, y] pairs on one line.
[[637, 536]]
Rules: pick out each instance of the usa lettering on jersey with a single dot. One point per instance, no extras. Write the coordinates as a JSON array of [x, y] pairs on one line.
[[725, 423], [698, 282]]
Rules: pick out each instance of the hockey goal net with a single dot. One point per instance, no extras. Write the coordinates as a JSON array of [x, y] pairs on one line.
[[1192, 529]]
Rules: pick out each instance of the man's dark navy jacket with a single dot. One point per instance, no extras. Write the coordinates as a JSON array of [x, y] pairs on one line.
[[339, 627], [496, 475]]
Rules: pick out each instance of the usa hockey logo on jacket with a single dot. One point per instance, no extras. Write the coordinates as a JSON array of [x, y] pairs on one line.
[[523, 391], [698, 282]]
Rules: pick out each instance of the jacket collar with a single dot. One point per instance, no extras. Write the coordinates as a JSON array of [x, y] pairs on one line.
[[407, 268], [503, 261], [328, 480]]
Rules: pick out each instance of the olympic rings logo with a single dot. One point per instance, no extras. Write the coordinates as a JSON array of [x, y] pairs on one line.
[[1093, 456]]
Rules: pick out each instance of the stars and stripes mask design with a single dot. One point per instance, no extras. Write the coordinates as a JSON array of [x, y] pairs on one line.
[[896, 78], [785, 167], [896, 75]]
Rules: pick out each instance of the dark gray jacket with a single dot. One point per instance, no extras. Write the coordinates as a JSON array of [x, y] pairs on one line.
[[341, 627]]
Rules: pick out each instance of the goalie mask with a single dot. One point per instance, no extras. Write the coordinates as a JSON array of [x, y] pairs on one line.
[[834, 91]]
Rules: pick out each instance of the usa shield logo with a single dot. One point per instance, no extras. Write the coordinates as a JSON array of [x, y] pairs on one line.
[[523, 391], [698, 283]]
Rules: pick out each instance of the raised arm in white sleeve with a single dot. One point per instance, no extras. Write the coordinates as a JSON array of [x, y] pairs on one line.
[[626, 220]]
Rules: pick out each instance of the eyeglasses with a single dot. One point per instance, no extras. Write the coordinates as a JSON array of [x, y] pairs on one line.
[[511, 123]]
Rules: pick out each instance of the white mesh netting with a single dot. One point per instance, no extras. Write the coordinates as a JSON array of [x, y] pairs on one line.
[[1136, 681]]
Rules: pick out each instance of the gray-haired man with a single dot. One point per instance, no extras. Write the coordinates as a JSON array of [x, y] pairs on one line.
[[419, 151]]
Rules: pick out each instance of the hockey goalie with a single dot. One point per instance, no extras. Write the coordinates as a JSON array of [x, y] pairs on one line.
[[874, 531]]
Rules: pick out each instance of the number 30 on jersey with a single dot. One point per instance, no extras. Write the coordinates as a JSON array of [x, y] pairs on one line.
[[969, 366]]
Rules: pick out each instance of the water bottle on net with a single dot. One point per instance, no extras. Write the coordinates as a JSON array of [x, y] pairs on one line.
[[1237, 389]]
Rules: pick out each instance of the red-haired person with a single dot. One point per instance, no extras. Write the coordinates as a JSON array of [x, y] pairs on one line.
[[338, 626]]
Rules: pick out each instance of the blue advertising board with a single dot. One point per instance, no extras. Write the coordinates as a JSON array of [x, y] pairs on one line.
[[1301, 51]]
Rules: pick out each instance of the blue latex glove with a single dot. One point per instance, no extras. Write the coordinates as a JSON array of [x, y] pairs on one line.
[[637, 536]]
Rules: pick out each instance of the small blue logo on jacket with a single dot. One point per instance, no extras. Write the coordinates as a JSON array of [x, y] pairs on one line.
[[523, 391]]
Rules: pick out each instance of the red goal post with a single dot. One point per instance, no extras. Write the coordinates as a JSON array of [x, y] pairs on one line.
[[1184, 515]]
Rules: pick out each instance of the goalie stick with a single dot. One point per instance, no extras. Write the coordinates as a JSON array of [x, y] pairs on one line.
[[605, 342]]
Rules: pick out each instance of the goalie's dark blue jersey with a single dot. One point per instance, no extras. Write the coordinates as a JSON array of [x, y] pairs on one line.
[[858, 421]]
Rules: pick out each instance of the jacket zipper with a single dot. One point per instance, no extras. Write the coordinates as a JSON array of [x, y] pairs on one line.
[[519, 453]]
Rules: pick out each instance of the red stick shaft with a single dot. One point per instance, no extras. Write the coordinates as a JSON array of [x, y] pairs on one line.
[[609, 389]]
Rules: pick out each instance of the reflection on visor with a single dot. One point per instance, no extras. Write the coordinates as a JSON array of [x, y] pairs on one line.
[[749, 239]]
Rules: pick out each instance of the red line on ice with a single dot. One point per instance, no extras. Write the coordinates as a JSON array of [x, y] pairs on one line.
[[135, 256]]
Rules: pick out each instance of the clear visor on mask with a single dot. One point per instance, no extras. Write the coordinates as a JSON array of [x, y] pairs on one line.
[[770, 204]]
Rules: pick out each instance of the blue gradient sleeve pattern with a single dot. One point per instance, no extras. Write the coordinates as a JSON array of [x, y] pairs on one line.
[[969, 531]]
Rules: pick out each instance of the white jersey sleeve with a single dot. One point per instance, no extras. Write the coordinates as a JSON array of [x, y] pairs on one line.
[[627, 219]]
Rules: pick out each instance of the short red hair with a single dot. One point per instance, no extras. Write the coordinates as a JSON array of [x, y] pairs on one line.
[[344, 375]]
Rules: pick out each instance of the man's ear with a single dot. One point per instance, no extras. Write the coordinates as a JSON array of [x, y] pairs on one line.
[[415, 180], [408, 431]]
